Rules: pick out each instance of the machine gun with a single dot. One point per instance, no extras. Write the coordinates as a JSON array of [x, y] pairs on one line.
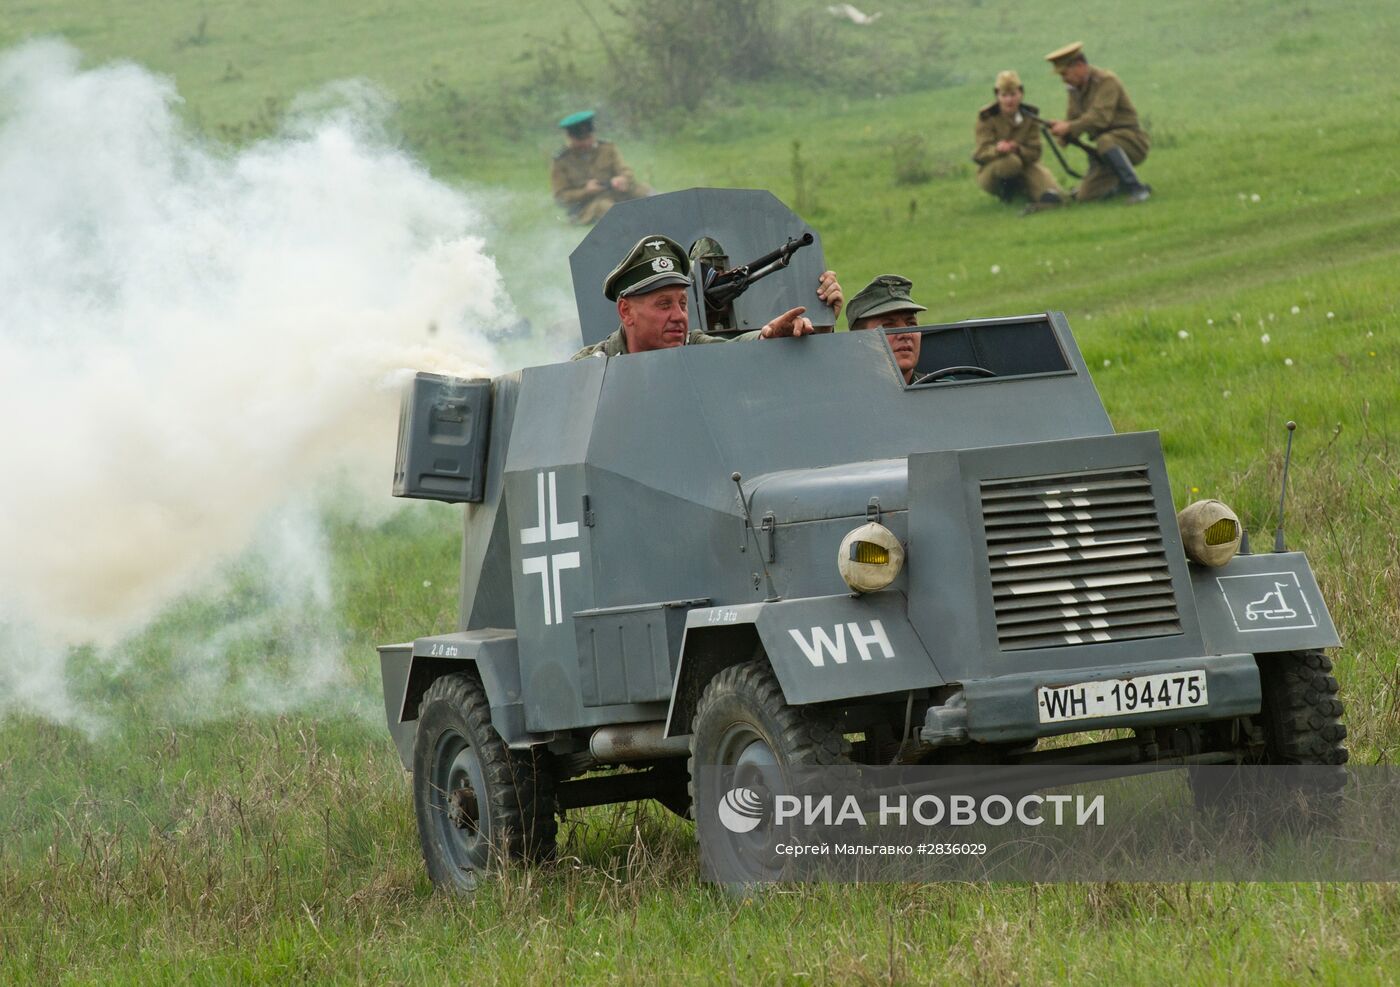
[[722, 287], [1053, 141]]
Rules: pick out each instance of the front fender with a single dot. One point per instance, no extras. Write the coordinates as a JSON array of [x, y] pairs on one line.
[[1260, 604], [821, 649]]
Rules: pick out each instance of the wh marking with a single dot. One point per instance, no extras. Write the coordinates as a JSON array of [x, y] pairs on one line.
[[822, 645], [548, 567]]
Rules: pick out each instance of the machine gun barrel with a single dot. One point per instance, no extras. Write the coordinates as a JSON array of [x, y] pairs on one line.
[[722, 287]]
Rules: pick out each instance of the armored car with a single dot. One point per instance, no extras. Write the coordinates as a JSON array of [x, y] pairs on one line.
[[783, 553]]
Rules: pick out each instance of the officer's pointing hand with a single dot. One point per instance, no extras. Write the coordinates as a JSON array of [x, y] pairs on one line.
[[790, 323]]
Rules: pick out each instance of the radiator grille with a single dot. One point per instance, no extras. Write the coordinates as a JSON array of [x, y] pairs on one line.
[[1077, 559]]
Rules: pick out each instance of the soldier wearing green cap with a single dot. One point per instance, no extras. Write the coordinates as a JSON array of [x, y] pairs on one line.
[[1007, 147], [589, 176], [708, 254], [650, 287], [885, 303], [1099, 107]]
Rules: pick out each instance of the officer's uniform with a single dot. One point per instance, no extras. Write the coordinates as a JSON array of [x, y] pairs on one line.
[[1100, 109], [655, 262], [575, 167], [1015, 172], [616, 343]]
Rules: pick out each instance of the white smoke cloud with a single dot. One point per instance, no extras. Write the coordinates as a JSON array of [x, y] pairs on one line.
[[190, 336]]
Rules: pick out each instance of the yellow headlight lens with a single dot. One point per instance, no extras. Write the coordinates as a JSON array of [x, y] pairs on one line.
[[1223, 532], [868, 553]]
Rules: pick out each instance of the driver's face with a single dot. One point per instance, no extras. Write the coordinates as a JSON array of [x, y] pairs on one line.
[[904, 344]]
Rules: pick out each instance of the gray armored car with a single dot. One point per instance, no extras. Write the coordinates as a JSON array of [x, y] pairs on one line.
[[780, 553]]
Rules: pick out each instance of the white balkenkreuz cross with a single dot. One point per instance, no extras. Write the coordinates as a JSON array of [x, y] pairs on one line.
[[548, 567]]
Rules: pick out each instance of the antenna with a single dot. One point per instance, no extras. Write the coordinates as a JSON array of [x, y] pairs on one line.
[[738, 482], [1288, 453]]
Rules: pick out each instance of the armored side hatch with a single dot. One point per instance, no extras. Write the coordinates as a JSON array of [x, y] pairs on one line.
[[444, 423]]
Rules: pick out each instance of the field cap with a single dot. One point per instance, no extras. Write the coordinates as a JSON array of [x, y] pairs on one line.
[[1009, 81], [580, 123], [655, 262], [887, 293], [1062, 58]]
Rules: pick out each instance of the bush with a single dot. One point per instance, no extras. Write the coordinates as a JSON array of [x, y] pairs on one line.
[[912, 165]]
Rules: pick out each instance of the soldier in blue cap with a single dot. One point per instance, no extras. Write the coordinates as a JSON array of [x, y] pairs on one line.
[[589, 175]]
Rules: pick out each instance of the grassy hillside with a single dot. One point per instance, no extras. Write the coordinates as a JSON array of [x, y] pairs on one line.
[[279, 847]]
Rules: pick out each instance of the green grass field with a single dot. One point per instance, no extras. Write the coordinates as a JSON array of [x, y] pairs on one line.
[[258, 847]]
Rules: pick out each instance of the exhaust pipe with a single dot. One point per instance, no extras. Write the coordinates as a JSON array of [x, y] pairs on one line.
[[635, 742]]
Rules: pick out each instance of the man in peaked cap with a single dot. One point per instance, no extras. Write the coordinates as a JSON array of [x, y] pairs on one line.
[[1007, 147], [589, 176], [650, 287], [1099, 107], [885, 303]]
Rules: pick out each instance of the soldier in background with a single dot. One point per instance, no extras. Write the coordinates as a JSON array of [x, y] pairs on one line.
[[1007, 148], [589, 176], [1099, 108], [707, 254]]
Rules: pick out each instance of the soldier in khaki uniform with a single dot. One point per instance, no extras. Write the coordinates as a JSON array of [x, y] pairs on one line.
[[1099, 107], [589, 176], [1007, 148], [649, 286]]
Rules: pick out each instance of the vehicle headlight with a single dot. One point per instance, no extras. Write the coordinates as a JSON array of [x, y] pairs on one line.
[[870, 557], [1210, 532]]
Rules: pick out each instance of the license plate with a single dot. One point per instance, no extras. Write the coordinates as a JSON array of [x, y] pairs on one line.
[[1122, 697]]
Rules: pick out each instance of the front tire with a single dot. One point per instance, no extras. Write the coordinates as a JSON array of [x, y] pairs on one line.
[[742, 722], [478, 802], [1300, 718]]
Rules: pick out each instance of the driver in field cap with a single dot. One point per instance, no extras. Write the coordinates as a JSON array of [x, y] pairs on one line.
[[885, 303], [650, 286]]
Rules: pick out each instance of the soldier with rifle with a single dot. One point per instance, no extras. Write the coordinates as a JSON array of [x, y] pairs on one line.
[[1007, 148], [1099, 108], [651, 287], [721, 284]]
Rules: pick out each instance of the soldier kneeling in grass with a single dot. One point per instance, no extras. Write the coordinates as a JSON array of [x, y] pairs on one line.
[[1099, 107], [1007, 148]]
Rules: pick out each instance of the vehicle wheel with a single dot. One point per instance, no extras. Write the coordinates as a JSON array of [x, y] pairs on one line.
[[1301, 720], [742, 721], [478, 802]]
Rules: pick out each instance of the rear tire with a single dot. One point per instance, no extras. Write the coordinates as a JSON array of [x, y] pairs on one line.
[[478, 802]]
